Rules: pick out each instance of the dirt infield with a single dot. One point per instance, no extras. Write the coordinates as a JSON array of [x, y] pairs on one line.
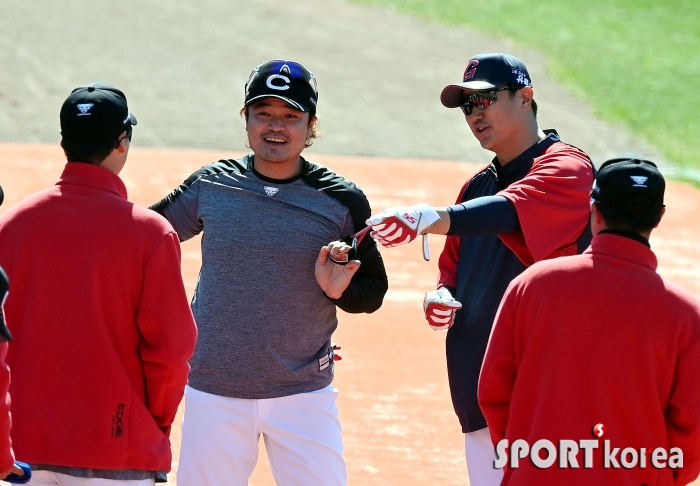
[[399, 427], [183, 66]]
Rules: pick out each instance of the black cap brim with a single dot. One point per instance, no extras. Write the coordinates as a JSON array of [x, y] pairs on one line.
[[289, 101]]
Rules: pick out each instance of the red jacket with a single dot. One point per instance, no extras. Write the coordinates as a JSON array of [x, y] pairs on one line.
[[101, 324], [597, 338], [7, 458]]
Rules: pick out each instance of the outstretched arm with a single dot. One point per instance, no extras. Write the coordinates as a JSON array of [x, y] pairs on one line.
[[482, 216]]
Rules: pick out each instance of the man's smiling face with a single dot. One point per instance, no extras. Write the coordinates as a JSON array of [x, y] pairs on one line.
[[277, 132]]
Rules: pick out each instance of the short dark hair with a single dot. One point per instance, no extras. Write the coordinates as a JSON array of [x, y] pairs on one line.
[[629, 221], [91, 153], [513, 89]]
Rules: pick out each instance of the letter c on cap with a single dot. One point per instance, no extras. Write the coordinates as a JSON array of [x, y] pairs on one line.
[[278, 76]]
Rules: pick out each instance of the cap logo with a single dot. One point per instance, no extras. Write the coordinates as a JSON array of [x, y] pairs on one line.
[[273, 77], [271, 191], [639, 181], [521, 77], [84, 108], [470, 70]]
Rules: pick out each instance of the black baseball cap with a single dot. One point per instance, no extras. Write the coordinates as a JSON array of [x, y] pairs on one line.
[[485, 72], [286, 80], [632, 186], [95, 113]]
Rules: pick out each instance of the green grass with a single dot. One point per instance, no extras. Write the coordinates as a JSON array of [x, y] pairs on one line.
[[636, 62]]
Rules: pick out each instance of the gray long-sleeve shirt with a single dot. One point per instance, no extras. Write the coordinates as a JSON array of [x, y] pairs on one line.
[[264, 323]]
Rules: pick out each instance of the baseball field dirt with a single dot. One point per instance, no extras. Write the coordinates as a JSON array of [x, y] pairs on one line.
[[398, 423]]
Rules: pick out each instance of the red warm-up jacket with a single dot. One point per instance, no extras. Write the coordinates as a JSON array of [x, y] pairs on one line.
[[6, 456], [101, 324], [597, 338]]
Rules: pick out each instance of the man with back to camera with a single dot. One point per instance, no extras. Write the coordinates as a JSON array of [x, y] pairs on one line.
[[101, 323], [11, 470], [7, 456], [266, 298], [529, 204], [600, 343]]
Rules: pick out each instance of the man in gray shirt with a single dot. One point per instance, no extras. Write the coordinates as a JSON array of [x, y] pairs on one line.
[[266, 297]]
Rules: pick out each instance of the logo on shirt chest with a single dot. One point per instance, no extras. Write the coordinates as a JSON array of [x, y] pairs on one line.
[[271, 191]]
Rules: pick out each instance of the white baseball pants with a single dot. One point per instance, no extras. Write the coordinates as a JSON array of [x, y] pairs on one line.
[[480, 457], [48, 478], [302, 436]]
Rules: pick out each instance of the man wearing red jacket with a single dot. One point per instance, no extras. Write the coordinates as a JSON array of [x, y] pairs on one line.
[[590, 375], [101, 324], [8, 468]]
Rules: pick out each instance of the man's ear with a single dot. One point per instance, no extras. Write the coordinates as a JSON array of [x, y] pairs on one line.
[[526, 95], [661, 215], [597, 220], [121, 145], [312, 123]]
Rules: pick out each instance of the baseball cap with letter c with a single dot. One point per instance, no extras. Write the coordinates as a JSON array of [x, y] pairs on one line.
[[287, 80]]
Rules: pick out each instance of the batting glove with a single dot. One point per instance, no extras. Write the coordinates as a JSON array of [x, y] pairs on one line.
[[440, 308], [399, 225]]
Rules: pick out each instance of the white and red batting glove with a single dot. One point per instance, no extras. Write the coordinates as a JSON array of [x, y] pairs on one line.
[[399, 225], [440, 308]]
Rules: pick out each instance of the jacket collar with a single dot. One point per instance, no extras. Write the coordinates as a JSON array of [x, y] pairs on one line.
[[517, 168], [93, 176], [624, 248]]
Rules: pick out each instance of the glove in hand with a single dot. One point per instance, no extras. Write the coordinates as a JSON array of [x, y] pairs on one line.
[[440, 308], [399, 225]]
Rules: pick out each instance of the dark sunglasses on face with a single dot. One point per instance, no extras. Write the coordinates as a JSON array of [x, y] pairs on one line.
[[291, 69], [480, 99]]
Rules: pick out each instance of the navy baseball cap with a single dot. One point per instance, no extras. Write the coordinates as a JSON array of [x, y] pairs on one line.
[[95, 113], [485, 72], [286, 80], [631, 185]]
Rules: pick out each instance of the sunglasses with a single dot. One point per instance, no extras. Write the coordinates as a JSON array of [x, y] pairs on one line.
[[480, 99], [290, 69]]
